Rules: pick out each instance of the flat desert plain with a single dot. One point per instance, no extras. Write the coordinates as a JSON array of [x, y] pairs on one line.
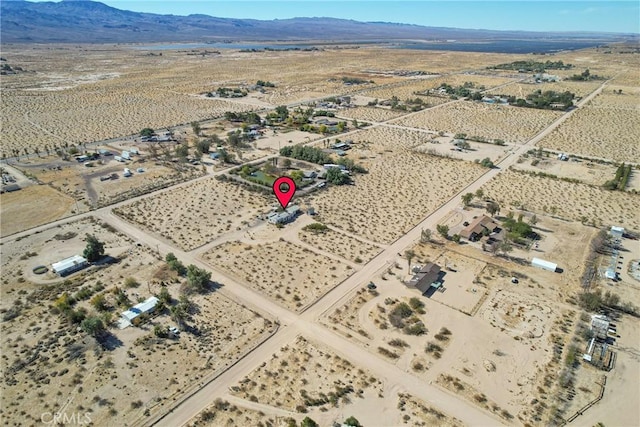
[[511, 124], [608, 127], [485, 349]]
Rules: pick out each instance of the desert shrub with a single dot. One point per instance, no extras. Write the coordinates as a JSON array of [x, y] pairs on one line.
[[433, 347]]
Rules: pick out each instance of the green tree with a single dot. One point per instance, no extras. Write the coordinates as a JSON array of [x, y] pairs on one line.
[[335, 176], [175, 264], [409, 254], [93, 326], [197, 278], [425, 236], [203, 146], [94, 249], [492, 208], [164, 296], [282, 112], [308, 422], [147, 132], [179, 315], [487, 163], [479, 194], [467, 198], [286, 163], [443, 230], [456, 238], [353, 422]]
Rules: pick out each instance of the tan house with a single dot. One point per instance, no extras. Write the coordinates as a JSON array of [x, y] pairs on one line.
[[479, 227]]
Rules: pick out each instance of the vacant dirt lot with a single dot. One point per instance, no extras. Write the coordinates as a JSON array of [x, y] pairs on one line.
[[511, 124], [340, 244], [380, 209], [326, 379], [32, 206], [208, 208], [578, 202], [291, 275], [607, 127]]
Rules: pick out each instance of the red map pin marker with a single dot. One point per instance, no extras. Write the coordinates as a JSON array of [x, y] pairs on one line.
[[284, 188]]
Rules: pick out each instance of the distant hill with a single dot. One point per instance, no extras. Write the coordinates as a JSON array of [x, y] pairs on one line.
[[81, 21]]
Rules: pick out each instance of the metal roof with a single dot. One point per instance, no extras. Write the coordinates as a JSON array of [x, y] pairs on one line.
[[68, 263]]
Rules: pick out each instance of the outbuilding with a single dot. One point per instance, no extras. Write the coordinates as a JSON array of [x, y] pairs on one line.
[[69, 265], [545, 265]]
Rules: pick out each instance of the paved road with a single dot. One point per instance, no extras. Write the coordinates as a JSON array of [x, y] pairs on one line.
[[293, 324]]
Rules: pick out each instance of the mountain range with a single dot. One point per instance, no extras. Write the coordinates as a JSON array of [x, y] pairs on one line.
[[83, 21]]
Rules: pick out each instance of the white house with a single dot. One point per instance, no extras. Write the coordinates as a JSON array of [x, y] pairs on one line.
[[69, 265], [145, 307], [283, 217]]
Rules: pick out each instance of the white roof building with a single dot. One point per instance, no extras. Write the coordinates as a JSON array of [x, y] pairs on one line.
[[69, 265], [545, 265], [617, 232], [147, 306]]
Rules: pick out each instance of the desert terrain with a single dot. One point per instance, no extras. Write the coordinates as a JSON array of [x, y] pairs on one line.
[[312, 317]]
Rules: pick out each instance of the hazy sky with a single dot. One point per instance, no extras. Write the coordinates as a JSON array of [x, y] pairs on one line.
[[541, 15]]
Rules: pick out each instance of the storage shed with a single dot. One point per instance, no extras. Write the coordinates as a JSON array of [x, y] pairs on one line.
[[545, 265], [69, 265]]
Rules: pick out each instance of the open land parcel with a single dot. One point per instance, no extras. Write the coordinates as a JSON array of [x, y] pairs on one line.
[[522, 334]]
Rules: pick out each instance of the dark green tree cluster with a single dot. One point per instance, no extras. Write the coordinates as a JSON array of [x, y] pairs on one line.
[[225, 92], [547, 100], [532, 66], [147, 132], [94, 249], [308, 154], [263, 83], [175, 264], [517, 228], [355, 81], [197, 279], [585, 76], [249, 118], [619, 182], [336, 177]]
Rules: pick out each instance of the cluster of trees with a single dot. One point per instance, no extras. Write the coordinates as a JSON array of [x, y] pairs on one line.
[[619, 182], [547, 100], [518, 229], [249, 118], [263, 83], [596, 300], [532, 66], [486, 162], [463, 91], [355, 81], [225, 92], [306, 153], [585, 76]]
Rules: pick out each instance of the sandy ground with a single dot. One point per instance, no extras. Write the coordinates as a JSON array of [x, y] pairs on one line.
[[511, 124], [521, 90], [608, 127], [32, 206], [588, 172], [340, 244], [67, 369], [209, 208], [281, 382], [370, 114], [381, 210], [292, 275], [579, 202]]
